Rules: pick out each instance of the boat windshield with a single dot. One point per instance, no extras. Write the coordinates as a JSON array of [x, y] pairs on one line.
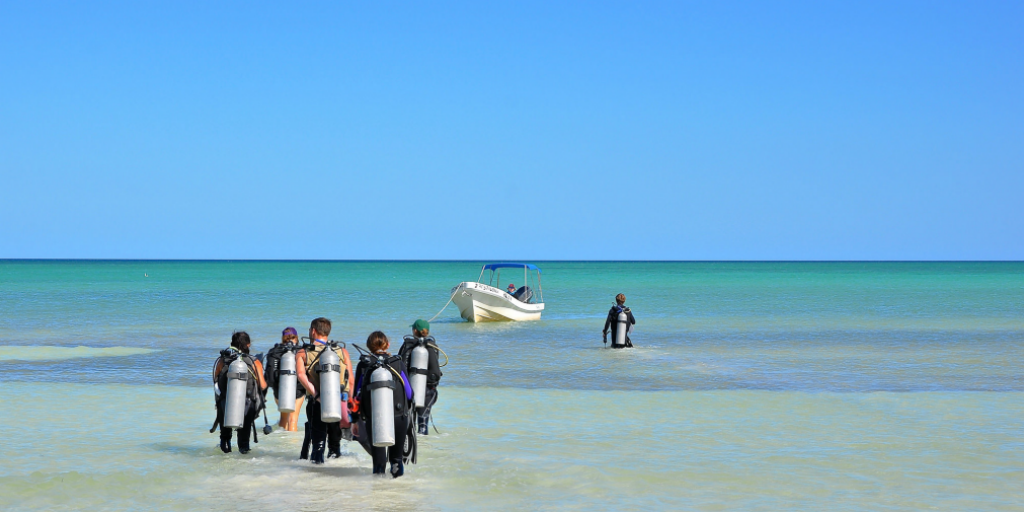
[[529, 291]]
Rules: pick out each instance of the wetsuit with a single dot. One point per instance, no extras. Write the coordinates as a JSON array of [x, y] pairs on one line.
[[243, 433], [323, 436], [402, 399], [612, 323], [433, 378], [252, 404]]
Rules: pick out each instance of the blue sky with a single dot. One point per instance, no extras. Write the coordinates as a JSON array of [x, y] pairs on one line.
[[487, 130]]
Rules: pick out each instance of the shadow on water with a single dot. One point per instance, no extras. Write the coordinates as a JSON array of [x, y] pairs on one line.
[[456, 320], [336, 470], [212, 449], [191, 451]]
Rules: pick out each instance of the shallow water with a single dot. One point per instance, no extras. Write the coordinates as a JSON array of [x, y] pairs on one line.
[[52, 353], [532, 448], [756, 386]]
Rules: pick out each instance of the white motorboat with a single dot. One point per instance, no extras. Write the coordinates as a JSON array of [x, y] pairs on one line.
[[487, 302]]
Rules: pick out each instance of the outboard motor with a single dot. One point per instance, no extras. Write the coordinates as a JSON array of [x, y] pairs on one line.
[[234, 402], [330, 386], [286, 383], [382, 401], [524, 294], [418, 366], [620, 330]]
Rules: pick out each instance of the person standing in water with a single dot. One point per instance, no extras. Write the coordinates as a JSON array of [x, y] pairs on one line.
[[612, 322], [421, 337], [254, 384], [322, 435], [289, 342], [378, 344]]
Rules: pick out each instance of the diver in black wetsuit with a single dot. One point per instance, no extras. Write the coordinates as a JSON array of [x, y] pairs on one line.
[[421, 336], [378, 345], [255, 387], [612, 322]]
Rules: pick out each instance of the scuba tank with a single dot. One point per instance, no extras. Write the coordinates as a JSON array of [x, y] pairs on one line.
[[329, 367], [620, 330], [234, 402], [418, 366], [382, 402], [286, 383]]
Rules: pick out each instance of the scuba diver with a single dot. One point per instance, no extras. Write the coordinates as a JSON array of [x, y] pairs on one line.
[[620, 320], [424, 370], [327, 417], [274, 372], [239, 389], [384, 427]]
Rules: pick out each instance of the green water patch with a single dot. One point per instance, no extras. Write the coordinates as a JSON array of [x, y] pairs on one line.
[[51, 353]]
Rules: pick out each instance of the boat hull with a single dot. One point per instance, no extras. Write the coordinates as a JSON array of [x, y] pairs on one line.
[[479, 302]]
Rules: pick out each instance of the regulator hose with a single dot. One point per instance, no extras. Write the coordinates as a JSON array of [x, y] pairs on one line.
[[441, 351]]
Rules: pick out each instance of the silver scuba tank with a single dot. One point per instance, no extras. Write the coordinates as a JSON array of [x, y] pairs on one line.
[[286, 382], [620, 330], [234, 402], [330, 386], [418, 365], [382, 401]]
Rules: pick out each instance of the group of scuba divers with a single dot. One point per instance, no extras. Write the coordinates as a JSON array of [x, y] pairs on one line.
[[383, 403]]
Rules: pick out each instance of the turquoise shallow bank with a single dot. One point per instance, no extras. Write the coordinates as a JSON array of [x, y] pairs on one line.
[[755, 386]]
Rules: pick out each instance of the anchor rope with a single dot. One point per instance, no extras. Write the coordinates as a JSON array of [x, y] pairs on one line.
[[450, 299]]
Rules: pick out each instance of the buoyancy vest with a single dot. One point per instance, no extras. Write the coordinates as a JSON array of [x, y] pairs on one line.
[[433, 367], [398, 384], [313, 352], [253, 398], [613, 318], [272, 366]]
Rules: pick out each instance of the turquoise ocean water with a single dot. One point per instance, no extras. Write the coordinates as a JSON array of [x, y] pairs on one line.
[[754, 386]]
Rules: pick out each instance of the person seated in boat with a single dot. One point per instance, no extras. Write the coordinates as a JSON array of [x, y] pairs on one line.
[[612, 322], [524, 294]]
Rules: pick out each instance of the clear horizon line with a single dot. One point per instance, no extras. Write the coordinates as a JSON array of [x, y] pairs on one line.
[[363, 260]]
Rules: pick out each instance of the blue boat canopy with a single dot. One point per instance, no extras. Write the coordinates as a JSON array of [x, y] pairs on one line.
[[492, 266]]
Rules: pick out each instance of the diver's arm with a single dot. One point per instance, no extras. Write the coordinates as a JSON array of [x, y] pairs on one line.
[[607, 323], [360, 370], [631, 319], [351, 372], [300, 362], [259, 374], [216, 371]]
